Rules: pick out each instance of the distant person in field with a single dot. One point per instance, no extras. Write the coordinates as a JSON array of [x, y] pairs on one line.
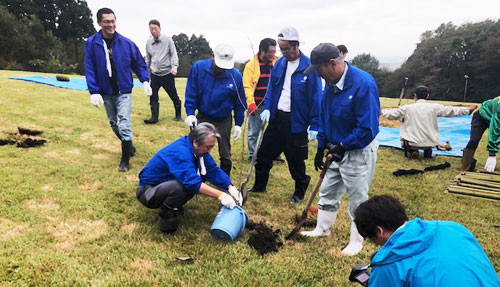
[[255, 79], [178, 171], [215, 89], [291, 107], [109, 59], [487, 117], [419, 126], [348, 126], [162, 61], [420, 253], [343, 51]]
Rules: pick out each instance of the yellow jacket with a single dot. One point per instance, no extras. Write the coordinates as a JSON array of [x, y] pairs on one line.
[[251, 76]]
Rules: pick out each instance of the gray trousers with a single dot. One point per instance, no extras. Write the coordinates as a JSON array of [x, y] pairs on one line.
[[170, 193], [353, 174], [223, 126]]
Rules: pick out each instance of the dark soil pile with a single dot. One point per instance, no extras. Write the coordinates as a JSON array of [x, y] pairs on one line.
[[29, 142], [29, 132], [6, 142], [264, 239]]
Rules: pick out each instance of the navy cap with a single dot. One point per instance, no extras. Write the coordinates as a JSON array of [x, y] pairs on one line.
[[322, 53]]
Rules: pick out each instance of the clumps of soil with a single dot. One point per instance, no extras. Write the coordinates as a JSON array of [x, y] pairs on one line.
[[61, 78], [263, 238], [388, 123], [22, 139]]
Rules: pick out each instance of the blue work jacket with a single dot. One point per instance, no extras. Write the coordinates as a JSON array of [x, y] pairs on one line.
[[177, 161], [305, 93], [350, 116], [432, 253], [215, 95], [126, 58]]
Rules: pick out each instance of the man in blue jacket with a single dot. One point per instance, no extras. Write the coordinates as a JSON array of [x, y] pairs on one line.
[[421, 253], [178, 171], [290, 106], [348, 125], [109, 59], [215, 88]]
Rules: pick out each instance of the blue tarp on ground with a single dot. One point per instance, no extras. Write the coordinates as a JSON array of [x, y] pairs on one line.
[[455, 130], [74, 83]]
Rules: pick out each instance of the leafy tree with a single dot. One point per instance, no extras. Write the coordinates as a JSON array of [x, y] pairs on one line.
[[190, 50], [371, 65]]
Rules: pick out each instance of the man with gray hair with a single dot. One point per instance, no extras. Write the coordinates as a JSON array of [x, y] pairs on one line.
[[348, 125], [161, 58], [178, 171]]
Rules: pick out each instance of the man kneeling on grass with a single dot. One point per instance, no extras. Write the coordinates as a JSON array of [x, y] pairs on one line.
[[420, 252], [178, 171]]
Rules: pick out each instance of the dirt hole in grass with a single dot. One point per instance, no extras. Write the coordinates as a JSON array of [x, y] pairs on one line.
[[263, 238], [22, 141], [71, 233], [142, 265], [10, 229]]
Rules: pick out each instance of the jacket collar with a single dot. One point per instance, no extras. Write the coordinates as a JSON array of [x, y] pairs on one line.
[[348, 77], [99, 38]]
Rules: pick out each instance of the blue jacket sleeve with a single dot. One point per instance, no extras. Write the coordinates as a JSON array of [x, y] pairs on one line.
[[185, 172], [385, 276], [314, 91], [367, 118], [191, 91], [215, 175], [239, 104], [138, 64], [269, 93], [90, 68]]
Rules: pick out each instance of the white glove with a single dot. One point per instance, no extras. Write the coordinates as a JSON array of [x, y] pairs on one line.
[[264, 116], [233, 191], [226, 200], [95, 99], [147, 89], [491, 163], [311, 135], [190, 120], [237, 133]]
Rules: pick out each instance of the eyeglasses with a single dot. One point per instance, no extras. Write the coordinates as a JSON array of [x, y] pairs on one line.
[[108, 21]]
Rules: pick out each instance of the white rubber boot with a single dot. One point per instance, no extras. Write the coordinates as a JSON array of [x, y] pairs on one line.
[[326, 219], [355, 243]]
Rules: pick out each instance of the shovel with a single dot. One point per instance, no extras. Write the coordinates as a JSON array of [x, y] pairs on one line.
[[311, 198], [243, 189]]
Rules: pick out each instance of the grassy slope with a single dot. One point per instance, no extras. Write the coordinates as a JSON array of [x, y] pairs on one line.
[[67, 217]]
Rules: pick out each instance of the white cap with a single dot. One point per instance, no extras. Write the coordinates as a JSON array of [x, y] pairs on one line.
[[289, 34], [223, 56]]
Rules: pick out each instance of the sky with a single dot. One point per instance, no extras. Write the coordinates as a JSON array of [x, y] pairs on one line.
[[388, 29]]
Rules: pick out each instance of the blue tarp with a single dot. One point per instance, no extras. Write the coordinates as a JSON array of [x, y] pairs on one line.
[[455, 130], [74, 83]]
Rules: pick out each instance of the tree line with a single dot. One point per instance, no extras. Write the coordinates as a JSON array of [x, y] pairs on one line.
[[49, 36]]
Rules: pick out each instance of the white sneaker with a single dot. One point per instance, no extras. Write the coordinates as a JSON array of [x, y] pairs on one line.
[[355, 243], [326, 219]]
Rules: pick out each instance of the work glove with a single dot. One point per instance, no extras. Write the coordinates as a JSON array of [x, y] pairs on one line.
[[236, 133], [227, 200], [233, 191], [491, 163], [264, 116], [147, 89], [318, 159], [95, 99], [311, 135], [251, 109], [190, 120], [337, 152]]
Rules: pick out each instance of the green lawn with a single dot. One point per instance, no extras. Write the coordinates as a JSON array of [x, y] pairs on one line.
[[68, 218]]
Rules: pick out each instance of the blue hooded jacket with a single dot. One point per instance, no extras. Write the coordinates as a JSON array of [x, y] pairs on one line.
[[215, 95], [305, 93], [351, 116], [126, 57], [432, 253], [177, 161]]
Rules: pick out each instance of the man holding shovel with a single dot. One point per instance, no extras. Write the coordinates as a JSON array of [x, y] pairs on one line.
[[178, 171], [348, 125]]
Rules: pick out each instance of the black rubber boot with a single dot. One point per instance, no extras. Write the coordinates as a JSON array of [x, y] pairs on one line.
[[169, 219], [468, 160], [126, 151], [226, 165], [155, 110], [178, 112], [428, 153], [132, 149], [261, 179], [300, 190]]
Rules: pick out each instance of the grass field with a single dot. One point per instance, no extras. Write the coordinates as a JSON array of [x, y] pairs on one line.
[[68, 218]]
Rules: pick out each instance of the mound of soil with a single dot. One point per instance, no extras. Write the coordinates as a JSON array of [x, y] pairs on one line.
[[29, 132], [264, 239], [6, 142], [29, 142]]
